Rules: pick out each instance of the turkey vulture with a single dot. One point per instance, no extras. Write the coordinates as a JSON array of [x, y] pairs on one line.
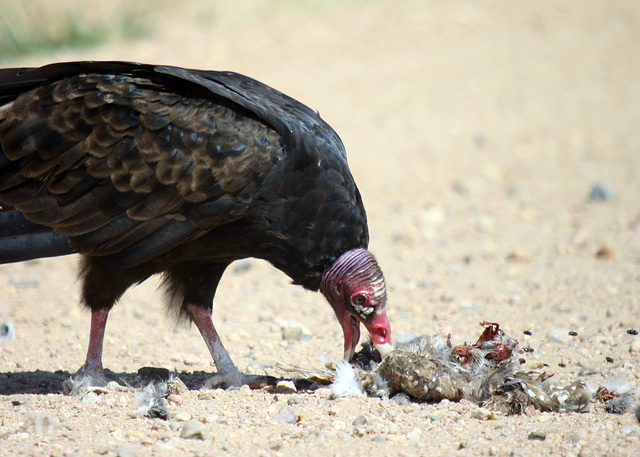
[[145, 169]]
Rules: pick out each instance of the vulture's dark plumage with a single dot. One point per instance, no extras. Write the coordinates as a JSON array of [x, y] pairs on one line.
[[147, 169]]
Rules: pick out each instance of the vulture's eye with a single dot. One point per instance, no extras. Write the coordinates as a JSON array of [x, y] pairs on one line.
[[358, 300]]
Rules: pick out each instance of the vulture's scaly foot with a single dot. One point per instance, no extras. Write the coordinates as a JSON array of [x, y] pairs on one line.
[[85, 379]]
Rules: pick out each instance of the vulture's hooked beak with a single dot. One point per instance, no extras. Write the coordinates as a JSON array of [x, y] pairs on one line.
[[377, 326]]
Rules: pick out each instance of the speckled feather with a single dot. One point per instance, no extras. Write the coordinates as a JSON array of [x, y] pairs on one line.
[[145, 168]]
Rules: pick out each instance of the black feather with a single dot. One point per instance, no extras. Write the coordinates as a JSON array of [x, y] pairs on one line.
[[13, 223], [18, 249]]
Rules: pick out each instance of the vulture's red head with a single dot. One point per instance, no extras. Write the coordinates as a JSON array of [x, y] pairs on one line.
[[355, 288]]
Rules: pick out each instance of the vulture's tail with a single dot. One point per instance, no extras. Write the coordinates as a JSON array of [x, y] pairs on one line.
[[23, 240]]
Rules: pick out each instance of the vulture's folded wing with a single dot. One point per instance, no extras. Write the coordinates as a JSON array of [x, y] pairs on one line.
[[126, 161]]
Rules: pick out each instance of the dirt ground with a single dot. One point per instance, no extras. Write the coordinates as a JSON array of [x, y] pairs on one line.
[[476, 132]]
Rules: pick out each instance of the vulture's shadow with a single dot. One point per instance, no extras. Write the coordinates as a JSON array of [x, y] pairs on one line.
[[46, 382]]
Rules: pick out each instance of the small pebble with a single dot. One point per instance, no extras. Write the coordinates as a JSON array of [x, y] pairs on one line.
[[191, 359], [518, 256], [635, 345], [159, 424], [604, 252], [483, 414], [401, 399], [102, 449], [286, 387], [99, 390], [360, 421], [292, 334], [20, 400], [377, 439], [195, 430], [209, 419], [295, 400], [126, 451], [183, 416], [286, 415], [339, 425], [91, 398], [460, 187], [7, 331], [208, 394], [359, 431], [600, 193], [18, 436], [539, 436]]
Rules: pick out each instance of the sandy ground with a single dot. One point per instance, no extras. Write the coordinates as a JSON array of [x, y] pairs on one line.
[[475, 132]]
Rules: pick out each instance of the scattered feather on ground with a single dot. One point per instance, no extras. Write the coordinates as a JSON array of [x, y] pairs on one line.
[[151, 402]]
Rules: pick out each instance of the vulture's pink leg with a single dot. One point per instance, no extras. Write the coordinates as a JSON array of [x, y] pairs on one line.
[[91, 373], [96, 339], [227, 371]]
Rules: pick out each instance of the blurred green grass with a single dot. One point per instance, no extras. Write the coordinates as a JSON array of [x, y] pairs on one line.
[[39, 26], [29, 27]]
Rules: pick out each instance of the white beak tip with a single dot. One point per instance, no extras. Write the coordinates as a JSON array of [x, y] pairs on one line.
[[349, 353], [384, 349]]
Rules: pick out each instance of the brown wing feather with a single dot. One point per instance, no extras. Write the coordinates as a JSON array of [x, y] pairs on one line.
[[98, 157]]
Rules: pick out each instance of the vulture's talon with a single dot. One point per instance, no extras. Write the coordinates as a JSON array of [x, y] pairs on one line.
[[83, 380]]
